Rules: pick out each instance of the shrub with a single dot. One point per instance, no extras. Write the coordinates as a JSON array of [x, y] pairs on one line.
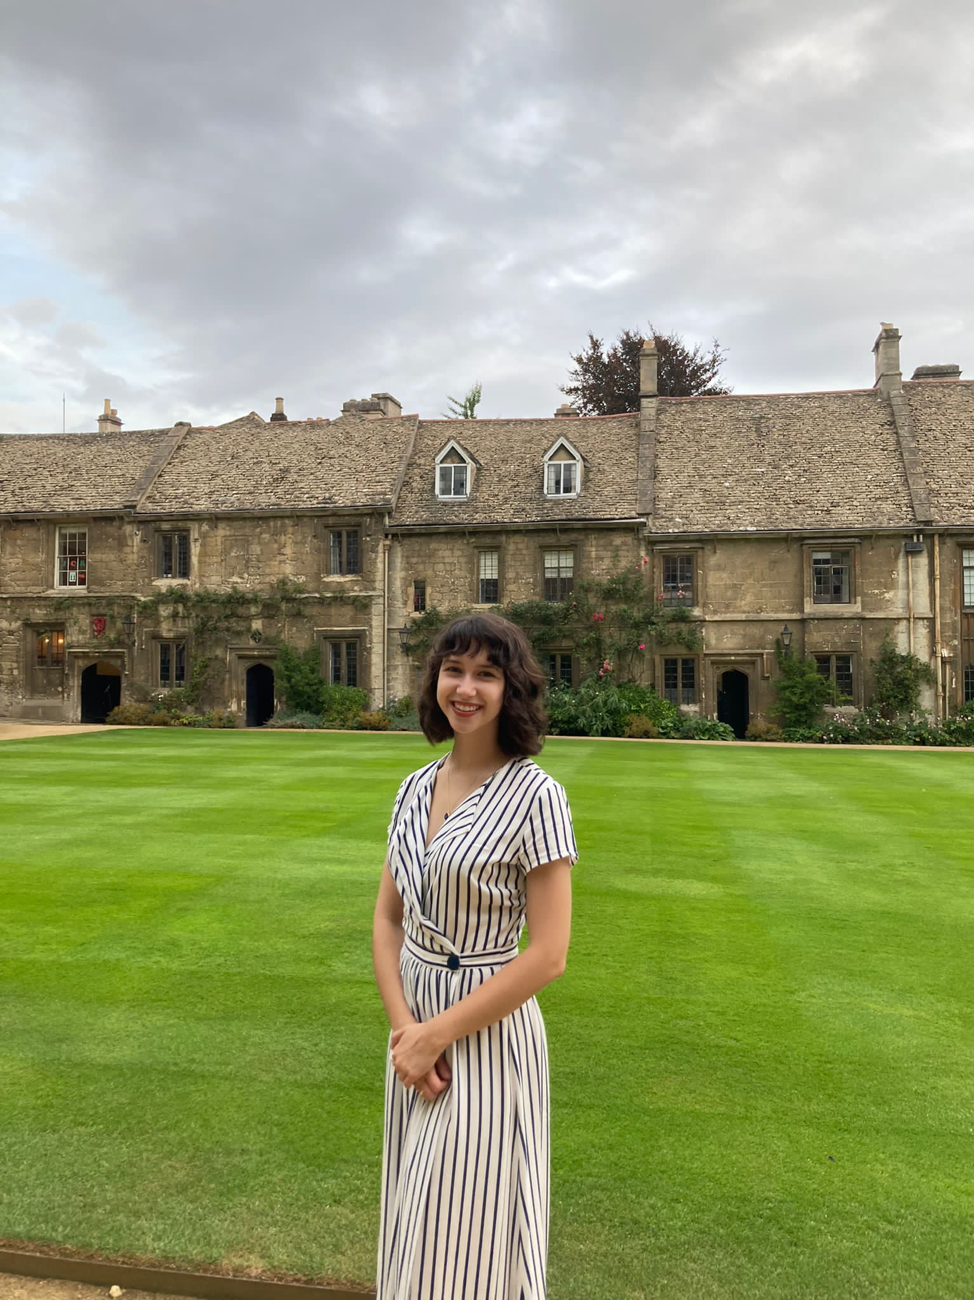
[[376, 721], [760, 729], [801, 691], [284, 719], [129, 715], [639, 727], [341, 705], [159, 718], [595, 709], [705, 729], [399, 708]]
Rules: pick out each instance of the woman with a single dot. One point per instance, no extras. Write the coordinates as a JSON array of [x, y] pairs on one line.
[[479, 840]]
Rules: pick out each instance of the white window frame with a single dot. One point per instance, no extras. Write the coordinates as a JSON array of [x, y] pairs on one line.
[[466, 466], [70, 586], [551, 465]]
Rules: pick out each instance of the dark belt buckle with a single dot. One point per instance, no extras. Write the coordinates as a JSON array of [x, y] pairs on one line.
[[453, 961]]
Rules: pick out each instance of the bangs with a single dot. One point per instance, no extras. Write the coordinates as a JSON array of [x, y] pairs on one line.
[[470, 635]]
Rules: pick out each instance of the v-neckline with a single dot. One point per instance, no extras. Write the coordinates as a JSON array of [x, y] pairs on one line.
[[450, 817]]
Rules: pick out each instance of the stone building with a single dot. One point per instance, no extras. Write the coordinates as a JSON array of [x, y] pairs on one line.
[[839, 515]]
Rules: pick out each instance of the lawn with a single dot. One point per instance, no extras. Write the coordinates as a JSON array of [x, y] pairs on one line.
[[762, 1049]]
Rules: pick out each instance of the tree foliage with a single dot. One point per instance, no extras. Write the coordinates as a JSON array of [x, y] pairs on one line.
[[605, 380], [801, 692], [465, 409]]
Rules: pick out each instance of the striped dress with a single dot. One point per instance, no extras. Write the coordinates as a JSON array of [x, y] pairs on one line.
[[465, 1200]]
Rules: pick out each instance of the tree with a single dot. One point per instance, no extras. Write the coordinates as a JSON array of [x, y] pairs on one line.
[[606, 382], [466, 409], [801, 692]]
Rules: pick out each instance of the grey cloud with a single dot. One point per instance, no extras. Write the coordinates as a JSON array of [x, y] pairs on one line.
[[323, 201]]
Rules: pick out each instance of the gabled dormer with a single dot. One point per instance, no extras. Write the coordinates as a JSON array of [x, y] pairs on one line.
[[562, 470], [454, 472]]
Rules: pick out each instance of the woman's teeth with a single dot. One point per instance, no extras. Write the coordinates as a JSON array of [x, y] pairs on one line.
[[466, 708]]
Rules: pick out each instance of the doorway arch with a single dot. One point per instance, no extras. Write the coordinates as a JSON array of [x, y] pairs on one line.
[[101, 690], [260, 694], [733, 701]]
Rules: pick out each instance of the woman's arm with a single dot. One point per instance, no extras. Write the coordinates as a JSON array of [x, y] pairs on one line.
[[549, 918], [387, 937]]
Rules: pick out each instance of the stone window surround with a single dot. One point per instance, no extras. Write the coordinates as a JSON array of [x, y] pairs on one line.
[[694, 549], [477, 550], [826, 609], [452, 447], [59, 528], [576, 459], [156, 639], [344, 529], [563, 648], [28, 654], [679, 655], [326, 636], [155, 537], [544, 547], [853, 656]]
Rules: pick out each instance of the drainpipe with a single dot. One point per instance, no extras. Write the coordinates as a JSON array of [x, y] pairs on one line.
[[936, 625], [909, 596], [385, 615]]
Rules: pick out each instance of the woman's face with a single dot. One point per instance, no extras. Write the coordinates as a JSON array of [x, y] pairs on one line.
[[470, 691]]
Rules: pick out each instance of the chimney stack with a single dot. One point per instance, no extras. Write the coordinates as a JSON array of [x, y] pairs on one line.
[[566, 411], [951, 373], [278, 409], [889, 378], [377, 407], [108, 421], [648, 369]]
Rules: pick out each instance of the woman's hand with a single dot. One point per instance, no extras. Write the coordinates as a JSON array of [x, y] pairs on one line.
[[417, 1060]]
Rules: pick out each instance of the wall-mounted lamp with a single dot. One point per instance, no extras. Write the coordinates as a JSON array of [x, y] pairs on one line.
[[786, 635], [404, 634]]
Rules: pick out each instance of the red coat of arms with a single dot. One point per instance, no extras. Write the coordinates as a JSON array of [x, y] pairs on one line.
[[98, 624]]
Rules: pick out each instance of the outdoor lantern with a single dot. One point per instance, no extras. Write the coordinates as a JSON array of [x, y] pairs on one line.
[[128, 622], [786, 636], [404, 632]]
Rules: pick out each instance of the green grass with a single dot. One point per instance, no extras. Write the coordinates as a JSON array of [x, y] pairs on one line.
[[762, 1049]]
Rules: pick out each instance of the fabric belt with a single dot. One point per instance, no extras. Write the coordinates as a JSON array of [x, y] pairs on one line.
[[454, 961]]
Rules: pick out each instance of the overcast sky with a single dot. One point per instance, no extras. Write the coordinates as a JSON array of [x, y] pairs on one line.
[[206, 205]]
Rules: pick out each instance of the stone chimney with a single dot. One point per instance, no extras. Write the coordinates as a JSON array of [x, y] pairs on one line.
[[648, 369], [567, 411], [377, 407], [937, 372], [279, 409], [889, 378], [108, 421]]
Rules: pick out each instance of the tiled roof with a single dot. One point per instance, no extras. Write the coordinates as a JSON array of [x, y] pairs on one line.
[[74, 472], [804, 460], [509, 486], [942, 413], [279, 465]]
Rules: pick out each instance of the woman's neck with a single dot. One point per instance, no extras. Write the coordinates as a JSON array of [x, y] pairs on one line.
[[477, 753]]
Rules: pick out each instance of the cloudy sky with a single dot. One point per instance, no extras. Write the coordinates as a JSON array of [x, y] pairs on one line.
[[208, 204]]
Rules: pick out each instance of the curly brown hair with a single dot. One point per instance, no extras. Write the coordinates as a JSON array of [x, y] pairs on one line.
[[522, 723]]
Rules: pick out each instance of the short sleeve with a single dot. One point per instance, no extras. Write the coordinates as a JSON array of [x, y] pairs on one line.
[[548, 831], [397, 807]]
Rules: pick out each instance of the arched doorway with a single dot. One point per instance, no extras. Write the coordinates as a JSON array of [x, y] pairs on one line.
[[732, 701], [101, 691], [260, 694]]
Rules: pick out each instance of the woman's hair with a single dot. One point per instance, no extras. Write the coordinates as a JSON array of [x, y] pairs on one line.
[[522, 722]]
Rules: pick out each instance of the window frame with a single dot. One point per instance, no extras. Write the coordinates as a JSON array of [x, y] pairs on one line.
[[672, 600], [57, 660], [174, 644], [160, 540], [419, 596], [466, 463], [479, 553], [561, 653], [548, 461], [966, 568], [571, 550], [831, 676], [81, 568], [344, 533], [675, 694], [341, 642]]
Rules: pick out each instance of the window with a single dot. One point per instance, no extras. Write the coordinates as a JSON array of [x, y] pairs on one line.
[[50, 649], [830, 577], [968, 683], [72, 557], [562, 470], [967, 569], [559, 574], [838, 670], [562, 478], [419, 595], [173, 555], [677, 579], [172, 663], [343, 663], [560, 668], [487, 580], [451, 481], [345, 550], [680, 680]]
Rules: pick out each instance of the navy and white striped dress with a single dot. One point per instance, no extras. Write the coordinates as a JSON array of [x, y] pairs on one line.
[[465, 1199]]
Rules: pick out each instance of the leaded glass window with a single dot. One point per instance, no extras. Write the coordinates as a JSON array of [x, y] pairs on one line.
[[345, 550], [487, 583], [559, 574], [50, 649], [837, 669], [677, 579], [680, 680], [830, 577], [72, 559], [451, 481], [172, 663], [173, 555]]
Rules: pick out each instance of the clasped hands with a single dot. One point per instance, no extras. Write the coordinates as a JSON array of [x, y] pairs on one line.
[[418, 1059]]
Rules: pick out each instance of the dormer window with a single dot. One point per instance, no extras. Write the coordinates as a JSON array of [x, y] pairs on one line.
[[562, 470], [454, 471]]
